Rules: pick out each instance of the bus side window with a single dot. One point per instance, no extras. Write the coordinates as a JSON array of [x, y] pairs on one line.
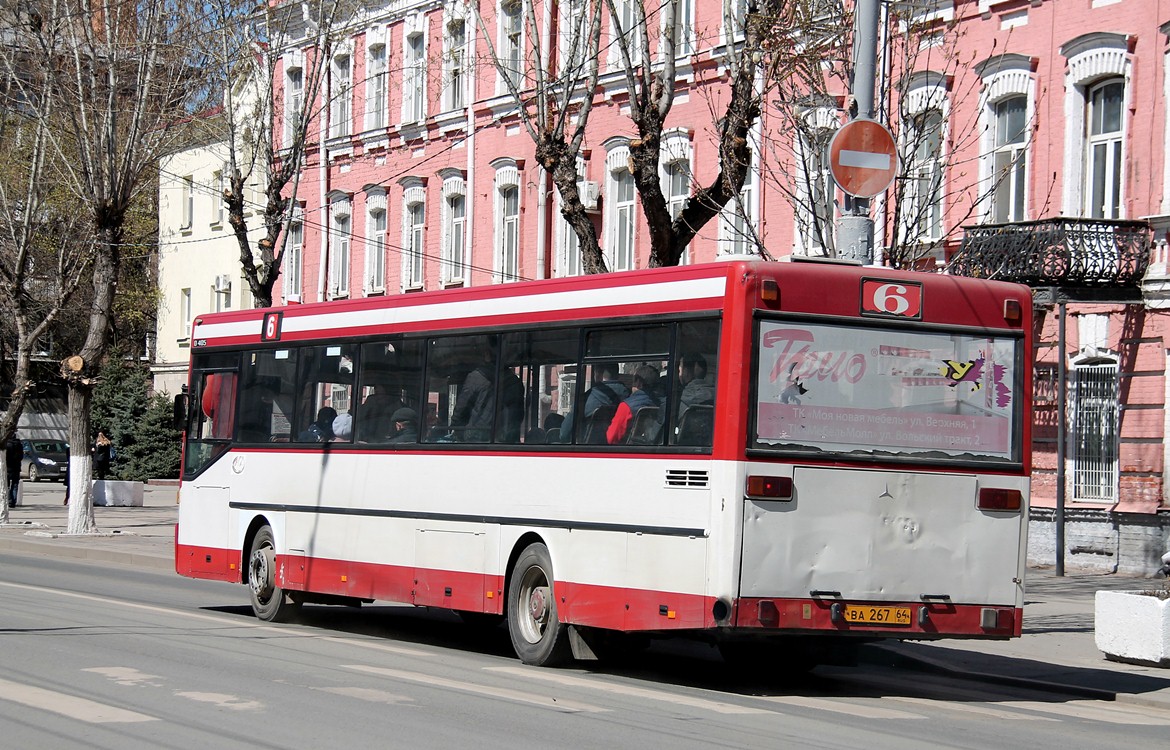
[[326, 387], [539, 360], [697, 357], [267, 396], [390, 379]]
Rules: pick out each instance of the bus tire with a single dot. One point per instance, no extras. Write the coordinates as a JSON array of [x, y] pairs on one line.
[[539, 638], [269, 602]]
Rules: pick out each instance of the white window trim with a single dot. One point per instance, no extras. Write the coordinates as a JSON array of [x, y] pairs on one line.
[[1003, 77], [375, 242], [819, 118], [507, 176], [504, 47], [569, 261], [615, 61], [928, 91], [414, 70], [294, 259], [413, 263], [731, 240], [341, 101], [455, 91], [685, 21], [1091, 57], [341, 246], [377, 81], [453, 273], [293, 60], [617, 160]]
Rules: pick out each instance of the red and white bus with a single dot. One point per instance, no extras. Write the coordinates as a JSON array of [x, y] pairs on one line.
[[769, 455]]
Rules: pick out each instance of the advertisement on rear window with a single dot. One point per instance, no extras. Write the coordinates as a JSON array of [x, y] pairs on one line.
[[874, 391]]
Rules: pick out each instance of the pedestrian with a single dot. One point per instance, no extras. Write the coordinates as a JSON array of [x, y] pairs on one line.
[[103, 450], [13, 454]]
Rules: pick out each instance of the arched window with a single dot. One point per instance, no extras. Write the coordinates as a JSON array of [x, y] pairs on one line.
[[339, 242], [375, 241], [620, 208], [507, 205], [454, 265], [413, 233]]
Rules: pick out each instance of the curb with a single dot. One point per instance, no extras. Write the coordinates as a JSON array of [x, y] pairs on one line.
[[89, 554]]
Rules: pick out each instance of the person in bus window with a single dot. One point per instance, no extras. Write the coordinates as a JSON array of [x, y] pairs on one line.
[[374, 418], [697, 388], [343, 428], [472, 416], [321, 430], [607, 390], [644, 393], [405, 422]]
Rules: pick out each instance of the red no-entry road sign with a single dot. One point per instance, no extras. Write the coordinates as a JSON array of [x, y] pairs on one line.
[[863, 158]]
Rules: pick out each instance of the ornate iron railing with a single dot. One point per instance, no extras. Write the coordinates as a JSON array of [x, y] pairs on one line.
[[1064, 252]]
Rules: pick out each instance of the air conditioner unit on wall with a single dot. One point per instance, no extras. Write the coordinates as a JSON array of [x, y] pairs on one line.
[[223, 283], [590, 195]]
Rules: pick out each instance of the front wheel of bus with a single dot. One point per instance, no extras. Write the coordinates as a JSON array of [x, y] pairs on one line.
[[538, 637], [269, 601]]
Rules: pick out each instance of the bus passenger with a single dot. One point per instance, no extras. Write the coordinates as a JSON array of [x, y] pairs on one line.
[[374, 417], [405, 426], [607, 390], [697, 388], [343, 428], [645, 389], [321, 430]]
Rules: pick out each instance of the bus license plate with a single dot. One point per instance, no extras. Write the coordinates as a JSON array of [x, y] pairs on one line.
[[877, 615]]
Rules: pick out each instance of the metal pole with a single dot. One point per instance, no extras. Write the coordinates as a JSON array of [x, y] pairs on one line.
[[854, 226], [1061, 415]]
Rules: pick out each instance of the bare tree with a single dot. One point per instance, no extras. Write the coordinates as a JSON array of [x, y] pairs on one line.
[[119, 77], [44, 248], [267, 127], [555, 94], [922, 58]]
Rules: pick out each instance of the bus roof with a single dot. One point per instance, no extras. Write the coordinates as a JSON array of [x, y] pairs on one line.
[[807, 288]]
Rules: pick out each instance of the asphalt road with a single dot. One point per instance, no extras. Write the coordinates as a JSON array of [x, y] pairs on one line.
[[115, 657]]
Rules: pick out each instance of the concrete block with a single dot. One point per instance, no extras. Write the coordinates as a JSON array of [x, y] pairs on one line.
[[1133, 627], [111, 492]]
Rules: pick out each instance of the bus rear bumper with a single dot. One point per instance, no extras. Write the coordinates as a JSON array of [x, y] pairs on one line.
[[911, 620]]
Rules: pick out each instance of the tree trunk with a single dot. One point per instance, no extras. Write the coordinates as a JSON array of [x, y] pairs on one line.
[[81, 518]]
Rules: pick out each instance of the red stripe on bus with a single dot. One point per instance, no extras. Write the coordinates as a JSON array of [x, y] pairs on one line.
[[609, 607]]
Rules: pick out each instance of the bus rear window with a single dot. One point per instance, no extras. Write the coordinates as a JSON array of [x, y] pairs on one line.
[[872, 392]]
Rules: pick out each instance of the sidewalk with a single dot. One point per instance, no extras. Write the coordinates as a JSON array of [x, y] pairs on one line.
[[1056, 652]]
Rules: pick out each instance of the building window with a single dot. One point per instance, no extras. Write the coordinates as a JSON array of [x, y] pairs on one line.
[[454, 228], [1094, 431], [293, 261], [1009, 160], [414, 92], [376, 251], [923, 200], [294, 102], [188, 204], [508, 261], [677, 187], [413, 235], [185, 314], [815, 192], [574, 39], [219, 183], [340, 115], [339, 240], [621, 235], [1103, 168], [376, 88], [455, 66], [568, 244], [737, 220], [511, 46], [624, 26], [683, 27]]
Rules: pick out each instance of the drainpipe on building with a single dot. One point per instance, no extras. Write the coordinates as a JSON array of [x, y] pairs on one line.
[[1061, 415], [469, 185], [542, 176], [324, 221]]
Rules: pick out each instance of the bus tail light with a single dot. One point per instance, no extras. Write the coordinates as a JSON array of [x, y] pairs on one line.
[[769, 488], [993, 498], [770, 292], [1012, 311]]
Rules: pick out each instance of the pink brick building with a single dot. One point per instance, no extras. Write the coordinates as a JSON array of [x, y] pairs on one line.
[[1016, 116]]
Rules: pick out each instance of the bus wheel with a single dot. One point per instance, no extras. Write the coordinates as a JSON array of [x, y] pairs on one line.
[[269, 601], [538, 637]]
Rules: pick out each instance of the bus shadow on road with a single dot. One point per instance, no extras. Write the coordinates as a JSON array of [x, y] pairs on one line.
[[881, 671]]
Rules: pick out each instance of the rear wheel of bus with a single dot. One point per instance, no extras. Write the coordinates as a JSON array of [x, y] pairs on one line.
[[269, 601], [538, 637]]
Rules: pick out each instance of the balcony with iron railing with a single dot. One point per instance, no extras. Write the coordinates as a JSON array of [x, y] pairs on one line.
[[1083, 258]]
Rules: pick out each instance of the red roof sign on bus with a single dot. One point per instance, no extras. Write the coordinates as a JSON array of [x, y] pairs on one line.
[[863, 158]]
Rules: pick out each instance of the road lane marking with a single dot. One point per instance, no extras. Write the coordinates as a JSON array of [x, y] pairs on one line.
[[222, 619], [969, 708], [127, 676], [568, 680], [1093, 711], [368, 694], [70, 706], [544, 701], [859, 710], [221, 700]]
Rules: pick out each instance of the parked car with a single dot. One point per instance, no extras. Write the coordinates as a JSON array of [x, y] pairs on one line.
[[45, 459]]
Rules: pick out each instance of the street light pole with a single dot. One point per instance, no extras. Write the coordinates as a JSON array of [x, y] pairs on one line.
[[854, 226]]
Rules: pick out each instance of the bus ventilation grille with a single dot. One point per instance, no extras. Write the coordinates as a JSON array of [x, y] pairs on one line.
[[686, 478]]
